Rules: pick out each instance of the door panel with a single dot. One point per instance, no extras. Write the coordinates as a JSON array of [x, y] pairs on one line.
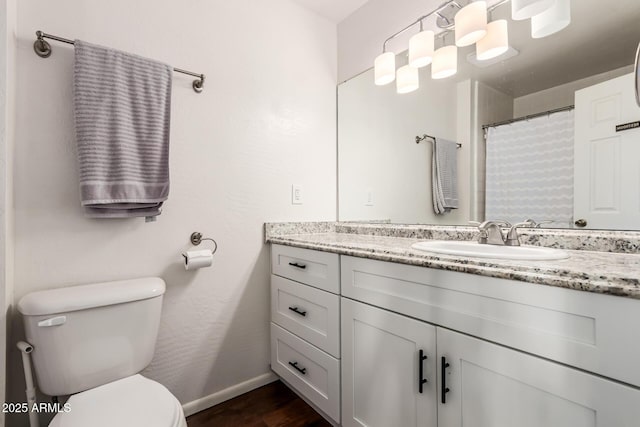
[[381, 368], [494, 386], [606, 170]]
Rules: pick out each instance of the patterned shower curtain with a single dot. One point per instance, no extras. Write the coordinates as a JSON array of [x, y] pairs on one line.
[[529, 170]]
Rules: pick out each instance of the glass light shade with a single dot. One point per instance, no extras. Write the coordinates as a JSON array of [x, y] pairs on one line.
[[495, 43], [525, 9], [407, 79], [421, 49], [471, 23], [385, 68], [445, 62], [551, 20]]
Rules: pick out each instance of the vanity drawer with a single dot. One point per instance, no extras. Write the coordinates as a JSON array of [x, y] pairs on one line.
[[594, 332], [312, 372], [310, 313], [315, 268]]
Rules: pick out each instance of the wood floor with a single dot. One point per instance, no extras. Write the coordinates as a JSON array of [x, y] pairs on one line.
[[268, 406]]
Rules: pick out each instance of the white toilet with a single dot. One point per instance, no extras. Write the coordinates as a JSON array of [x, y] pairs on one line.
[[90, 342]]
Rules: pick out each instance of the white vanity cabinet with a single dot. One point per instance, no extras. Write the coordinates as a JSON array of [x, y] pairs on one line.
[[388, 368], [305, 324], [412, 346]]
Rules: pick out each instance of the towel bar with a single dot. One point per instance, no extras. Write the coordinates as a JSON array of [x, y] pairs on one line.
[[42, 48], [419, 139]]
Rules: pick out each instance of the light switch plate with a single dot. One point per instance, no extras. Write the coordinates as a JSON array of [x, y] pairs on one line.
[[369, 201], [296, 194]]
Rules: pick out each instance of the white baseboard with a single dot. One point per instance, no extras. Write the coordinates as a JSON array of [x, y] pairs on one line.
[[206, 402]]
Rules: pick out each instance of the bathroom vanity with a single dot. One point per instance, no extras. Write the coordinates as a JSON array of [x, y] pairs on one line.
[[375, 333]]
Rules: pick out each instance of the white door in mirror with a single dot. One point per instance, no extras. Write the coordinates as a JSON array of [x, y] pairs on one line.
[[474, 249], [607, 162]]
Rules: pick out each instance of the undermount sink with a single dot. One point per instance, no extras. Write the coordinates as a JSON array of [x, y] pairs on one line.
[[474, 249]]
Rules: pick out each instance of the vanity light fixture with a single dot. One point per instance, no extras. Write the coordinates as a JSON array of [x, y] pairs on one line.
[[471, 23], [445, 62], [421, 47], [385, 68], [407, 79], [551, 20], [525, 9], [495, 43], [470, 26]]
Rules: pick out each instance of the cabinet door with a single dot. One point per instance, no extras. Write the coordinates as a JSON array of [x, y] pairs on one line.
[[381, 368], [494, 386]]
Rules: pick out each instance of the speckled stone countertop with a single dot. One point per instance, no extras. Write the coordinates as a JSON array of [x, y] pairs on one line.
[[587, 270]]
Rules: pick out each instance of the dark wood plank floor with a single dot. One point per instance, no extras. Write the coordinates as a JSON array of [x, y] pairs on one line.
[[269, 406]]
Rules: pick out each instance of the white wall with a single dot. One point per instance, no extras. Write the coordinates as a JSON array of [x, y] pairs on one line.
[[562, 95], [265, 120], [7, 133]]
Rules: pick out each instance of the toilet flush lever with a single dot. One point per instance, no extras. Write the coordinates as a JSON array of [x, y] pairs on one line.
[[54, 321]]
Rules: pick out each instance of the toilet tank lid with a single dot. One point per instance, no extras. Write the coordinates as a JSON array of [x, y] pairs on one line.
[[74, 298]]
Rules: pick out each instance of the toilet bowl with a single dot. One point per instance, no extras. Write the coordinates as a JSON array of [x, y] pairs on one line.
[[90, 342]]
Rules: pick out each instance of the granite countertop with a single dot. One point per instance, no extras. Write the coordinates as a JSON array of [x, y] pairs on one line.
[[586, 270]]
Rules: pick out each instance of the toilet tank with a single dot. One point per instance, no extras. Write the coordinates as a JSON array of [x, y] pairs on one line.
[[89, 335]]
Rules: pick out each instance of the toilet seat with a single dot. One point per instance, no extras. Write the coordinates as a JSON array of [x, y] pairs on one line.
[[131, 401]]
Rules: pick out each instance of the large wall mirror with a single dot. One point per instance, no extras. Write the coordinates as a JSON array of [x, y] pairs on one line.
[[565, 166]]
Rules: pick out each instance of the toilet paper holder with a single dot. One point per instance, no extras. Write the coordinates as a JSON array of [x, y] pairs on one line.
[[196, 238]]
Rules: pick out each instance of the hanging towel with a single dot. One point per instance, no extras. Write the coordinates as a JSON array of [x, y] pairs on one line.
[[444, 176], [122, 105]]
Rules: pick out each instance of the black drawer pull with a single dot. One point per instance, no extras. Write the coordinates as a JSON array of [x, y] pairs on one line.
[[443, 366], [421, 379], [303, 371], [295, 264], [297, 310]]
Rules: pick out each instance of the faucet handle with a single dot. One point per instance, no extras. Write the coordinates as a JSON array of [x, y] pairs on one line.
[[547, 221], [512, 236]]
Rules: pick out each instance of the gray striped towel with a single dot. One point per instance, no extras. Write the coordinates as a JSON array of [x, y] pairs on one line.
[[122, 107], [444, 176]]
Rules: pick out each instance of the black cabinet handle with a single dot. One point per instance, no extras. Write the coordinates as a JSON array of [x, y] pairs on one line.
[[295, 264], [443, 366], [297, 310], [303, 371], [421, 379]]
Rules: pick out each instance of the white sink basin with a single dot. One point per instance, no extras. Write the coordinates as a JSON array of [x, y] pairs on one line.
[[474, 249]]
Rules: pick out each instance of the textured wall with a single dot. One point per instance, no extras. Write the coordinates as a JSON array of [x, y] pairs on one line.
[[7, 135], [265, 120]]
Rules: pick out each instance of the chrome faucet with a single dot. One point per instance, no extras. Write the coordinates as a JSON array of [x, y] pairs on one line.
[[491, 233]]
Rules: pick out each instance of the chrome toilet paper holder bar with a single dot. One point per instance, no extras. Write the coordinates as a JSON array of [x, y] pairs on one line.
[[196, 238]]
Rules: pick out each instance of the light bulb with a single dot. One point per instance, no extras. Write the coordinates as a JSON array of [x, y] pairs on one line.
[[471, 23], [551, 20], [385, 68], [407, 79], [495, 43], [445, 62], [421, 49]]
